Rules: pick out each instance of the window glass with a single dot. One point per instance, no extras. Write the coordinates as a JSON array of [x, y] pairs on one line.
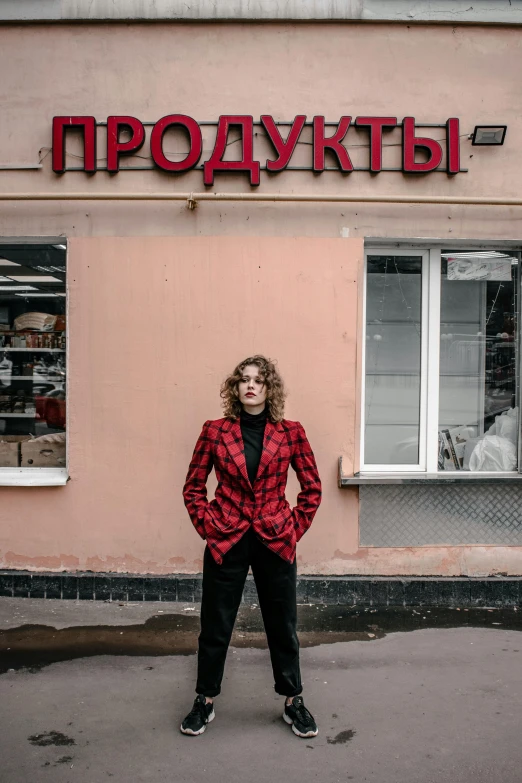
[[32, 356], [393, 359], [478, 427]]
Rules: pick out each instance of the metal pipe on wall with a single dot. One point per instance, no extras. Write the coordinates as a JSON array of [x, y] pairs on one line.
[[193, 198]]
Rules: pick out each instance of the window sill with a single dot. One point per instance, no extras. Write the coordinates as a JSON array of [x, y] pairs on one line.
[[33, 477], [453, 477]]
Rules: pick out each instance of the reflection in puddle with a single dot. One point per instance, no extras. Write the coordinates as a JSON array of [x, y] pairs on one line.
[[35, 646]]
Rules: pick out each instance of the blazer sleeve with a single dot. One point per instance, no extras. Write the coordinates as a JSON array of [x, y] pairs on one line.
[[309, 498], [195, 487]]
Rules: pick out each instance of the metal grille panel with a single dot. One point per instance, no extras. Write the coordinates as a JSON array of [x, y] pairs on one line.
[[398, 515]]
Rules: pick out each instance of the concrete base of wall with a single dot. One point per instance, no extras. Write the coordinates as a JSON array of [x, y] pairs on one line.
[[360, 591]]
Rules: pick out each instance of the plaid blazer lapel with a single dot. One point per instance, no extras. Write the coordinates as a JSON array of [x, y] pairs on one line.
[[233, 440], [274, 436]]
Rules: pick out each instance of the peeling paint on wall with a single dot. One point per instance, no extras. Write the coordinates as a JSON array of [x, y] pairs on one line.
[[40, 562]]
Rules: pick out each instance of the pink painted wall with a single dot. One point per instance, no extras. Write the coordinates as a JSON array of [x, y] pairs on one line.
[[154, 326], [163, 301]]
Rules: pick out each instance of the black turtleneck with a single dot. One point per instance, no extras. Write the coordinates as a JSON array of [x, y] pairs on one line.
[[253, 432]]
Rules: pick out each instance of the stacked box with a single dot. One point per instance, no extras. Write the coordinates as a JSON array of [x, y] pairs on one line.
[[10, 452], [38, 454]]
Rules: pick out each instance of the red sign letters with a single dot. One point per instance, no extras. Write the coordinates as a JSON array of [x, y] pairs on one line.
[[324, 139]]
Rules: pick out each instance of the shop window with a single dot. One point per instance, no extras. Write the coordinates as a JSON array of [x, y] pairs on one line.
[[441, 361], [32, 356]]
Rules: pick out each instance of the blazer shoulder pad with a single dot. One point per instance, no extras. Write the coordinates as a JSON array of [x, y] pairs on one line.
[[216, 423], [291, 425]]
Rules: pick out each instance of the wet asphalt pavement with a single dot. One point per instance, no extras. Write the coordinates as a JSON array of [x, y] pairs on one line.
[[91, 691]]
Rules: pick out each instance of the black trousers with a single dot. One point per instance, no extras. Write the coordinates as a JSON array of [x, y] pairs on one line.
[[223, 584]]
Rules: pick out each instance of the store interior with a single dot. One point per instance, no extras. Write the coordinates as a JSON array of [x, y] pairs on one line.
[[32, 355], [478, 314]]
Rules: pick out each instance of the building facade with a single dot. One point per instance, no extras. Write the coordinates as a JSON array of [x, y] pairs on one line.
[[337, 189]]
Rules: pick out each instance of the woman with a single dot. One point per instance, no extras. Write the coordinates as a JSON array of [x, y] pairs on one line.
[[250, 523]]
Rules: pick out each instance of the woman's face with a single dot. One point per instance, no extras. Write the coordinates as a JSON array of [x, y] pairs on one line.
[[252, 389]]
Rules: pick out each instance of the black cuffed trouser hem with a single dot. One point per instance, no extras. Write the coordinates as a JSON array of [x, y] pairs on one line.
[[281, 692], [209, 694], [223, 585]]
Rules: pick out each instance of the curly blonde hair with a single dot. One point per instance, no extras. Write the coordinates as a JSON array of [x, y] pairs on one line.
[[275, 389]]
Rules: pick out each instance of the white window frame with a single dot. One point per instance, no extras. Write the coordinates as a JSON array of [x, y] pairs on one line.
[[430, 361], [43, 477], [421, 465]]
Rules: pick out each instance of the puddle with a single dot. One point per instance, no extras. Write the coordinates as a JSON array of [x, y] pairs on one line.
[[35, 646]]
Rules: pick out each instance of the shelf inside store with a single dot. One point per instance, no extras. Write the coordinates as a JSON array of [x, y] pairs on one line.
[[11, 332], [17, 415], [37, 378], [33, 350]]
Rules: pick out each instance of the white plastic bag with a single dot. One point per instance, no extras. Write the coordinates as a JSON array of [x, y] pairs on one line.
[[494, 453], [507, 425]]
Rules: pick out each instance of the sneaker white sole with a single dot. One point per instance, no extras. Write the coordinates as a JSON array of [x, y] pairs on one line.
[[202, 729], [296, 732]]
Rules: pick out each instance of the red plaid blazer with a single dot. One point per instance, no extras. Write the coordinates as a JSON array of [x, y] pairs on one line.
[[239, 504]]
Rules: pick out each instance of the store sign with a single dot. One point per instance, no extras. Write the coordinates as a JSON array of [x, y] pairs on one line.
[[327, 137]]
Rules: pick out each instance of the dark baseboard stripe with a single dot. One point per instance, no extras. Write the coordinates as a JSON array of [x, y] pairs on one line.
[[360, 591]]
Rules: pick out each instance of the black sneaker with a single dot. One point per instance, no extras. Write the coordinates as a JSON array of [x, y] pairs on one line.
[[196, 721], [301, 720]]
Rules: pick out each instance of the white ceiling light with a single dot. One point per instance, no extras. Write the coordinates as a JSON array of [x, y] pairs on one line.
[[50, 268], [38, 296], [481, 256], [17, 288], [34, 279], [476, 254], [5, 262]]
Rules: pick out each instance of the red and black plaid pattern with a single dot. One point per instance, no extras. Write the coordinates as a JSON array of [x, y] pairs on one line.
[[239, 504]]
